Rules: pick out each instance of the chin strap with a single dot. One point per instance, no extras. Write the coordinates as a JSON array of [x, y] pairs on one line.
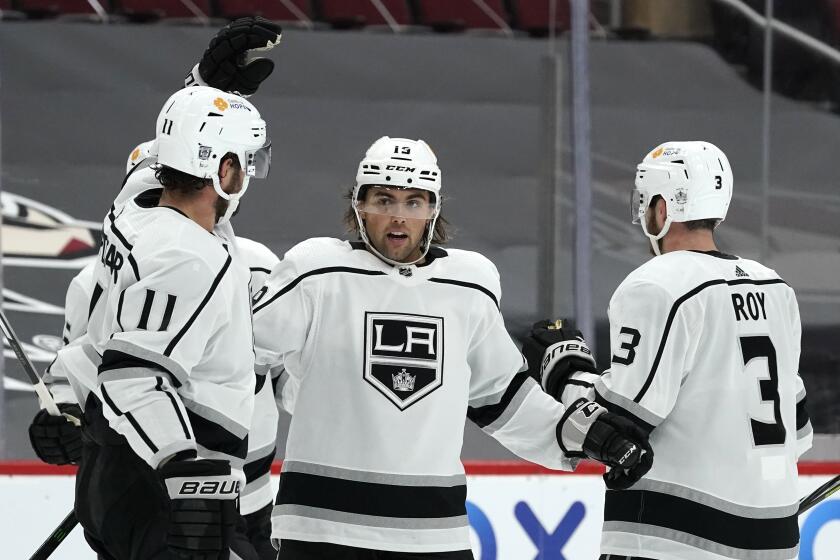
[[233, 199], [654, 239]]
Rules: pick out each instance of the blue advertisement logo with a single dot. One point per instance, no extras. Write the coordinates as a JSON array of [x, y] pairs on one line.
[[548, 544], [824, 513]]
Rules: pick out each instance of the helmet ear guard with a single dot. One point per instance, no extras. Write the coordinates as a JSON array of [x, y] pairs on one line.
[[694, 178]]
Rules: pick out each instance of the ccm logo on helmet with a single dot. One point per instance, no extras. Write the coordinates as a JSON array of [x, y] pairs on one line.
[[210, 487], [400, 168]]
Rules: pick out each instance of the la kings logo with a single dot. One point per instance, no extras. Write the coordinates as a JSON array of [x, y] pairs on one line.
[[403, 355]]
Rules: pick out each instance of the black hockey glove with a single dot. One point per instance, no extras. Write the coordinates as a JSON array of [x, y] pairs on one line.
[[230, 62], [57, 440], [587, 429], [554, 352], [203, 508]]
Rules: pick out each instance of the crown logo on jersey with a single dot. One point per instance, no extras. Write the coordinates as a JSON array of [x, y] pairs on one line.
[[403, 381], [406, 271], [739, 272]]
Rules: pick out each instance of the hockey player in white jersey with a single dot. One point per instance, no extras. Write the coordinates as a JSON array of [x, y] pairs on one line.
[[391, 341], [705, 353], [176, 380]]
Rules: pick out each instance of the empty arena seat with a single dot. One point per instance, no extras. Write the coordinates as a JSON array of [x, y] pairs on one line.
[[358, 13], [444, 15], [154, 9], [277, 10], [49, 8], [534, 16]]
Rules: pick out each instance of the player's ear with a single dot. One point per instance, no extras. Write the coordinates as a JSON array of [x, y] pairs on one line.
[[661, 211]]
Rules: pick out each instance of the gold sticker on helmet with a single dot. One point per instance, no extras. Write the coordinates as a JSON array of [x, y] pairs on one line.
[[135, 154], [657, 152], [220, 104]]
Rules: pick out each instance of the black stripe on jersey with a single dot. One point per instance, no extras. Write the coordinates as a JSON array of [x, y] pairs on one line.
[[159, 387], [125, 243], [260, 269], [485, 415], [288, 287], [94, 299], [463, 284], [370, 498], [673, 313], [114, 359], [260, 382], [201, 305], [167, 313], [680, 514], [130, 418], [215, 438], [802, 417], [119, 310], [621, 411], [147, 308], [258, 468]]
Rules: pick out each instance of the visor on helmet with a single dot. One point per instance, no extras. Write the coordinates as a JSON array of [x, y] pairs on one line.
[[637, 206], [258, 161], [414, 208]]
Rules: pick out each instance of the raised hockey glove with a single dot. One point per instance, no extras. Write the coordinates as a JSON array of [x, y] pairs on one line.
[[57, 440], [230, 62], [554, 352], [203, 497], [587, 429]]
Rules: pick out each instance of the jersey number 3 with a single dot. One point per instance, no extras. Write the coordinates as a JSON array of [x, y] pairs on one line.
[[765, 433]]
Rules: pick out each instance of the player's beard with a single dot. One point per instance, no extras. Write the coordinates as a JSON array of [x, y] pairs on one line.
[[222, 204], [221, 207]]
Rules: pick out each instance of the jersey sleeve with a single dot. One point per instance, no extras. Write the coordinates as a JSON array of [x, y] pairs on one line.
[[163, 323], [66, 383], [506, 402], [283, 315], [804, 430], [650, 349]]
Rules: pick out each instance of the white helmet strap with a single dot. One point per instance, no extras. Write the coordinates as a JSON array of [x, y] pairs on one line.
[[654, 239]]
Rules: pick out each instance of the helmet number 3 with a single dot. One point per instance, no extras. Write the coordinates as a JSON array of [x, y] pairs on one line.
[[718, 182]]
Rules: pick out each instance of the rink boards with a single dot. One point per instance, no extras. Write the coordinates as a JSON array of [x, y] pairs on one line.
[[517, 511]]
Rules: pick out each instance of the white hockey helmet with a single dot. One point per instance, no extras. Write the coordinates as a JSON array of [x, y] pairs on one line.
[[142, 152], [404, 164], [694, 178], [199, 125]]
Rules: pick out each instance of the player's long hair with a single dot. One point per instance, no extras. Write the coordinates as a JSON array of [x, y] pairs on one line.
[[441, 235]]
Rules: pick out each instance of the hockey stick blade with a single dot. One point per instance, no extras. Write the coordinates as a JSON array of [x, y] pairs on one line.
[[46, 398], [819, 495], [56, 537]]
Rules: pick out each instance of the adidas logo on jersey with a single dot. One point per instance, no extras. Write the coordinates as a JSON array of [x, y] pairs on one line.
[[739, 272], [403, 381]]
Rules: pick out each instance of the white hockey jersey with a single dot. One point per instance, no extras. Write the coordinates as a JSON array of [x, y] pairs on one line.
[[705, 353], [386, 362], [174, 334]]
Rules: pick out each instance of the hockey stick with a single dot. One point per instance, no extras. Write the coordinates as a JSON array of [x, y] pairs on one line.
[[47, 402], [56, 538], [819, 495], [44, 395]]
